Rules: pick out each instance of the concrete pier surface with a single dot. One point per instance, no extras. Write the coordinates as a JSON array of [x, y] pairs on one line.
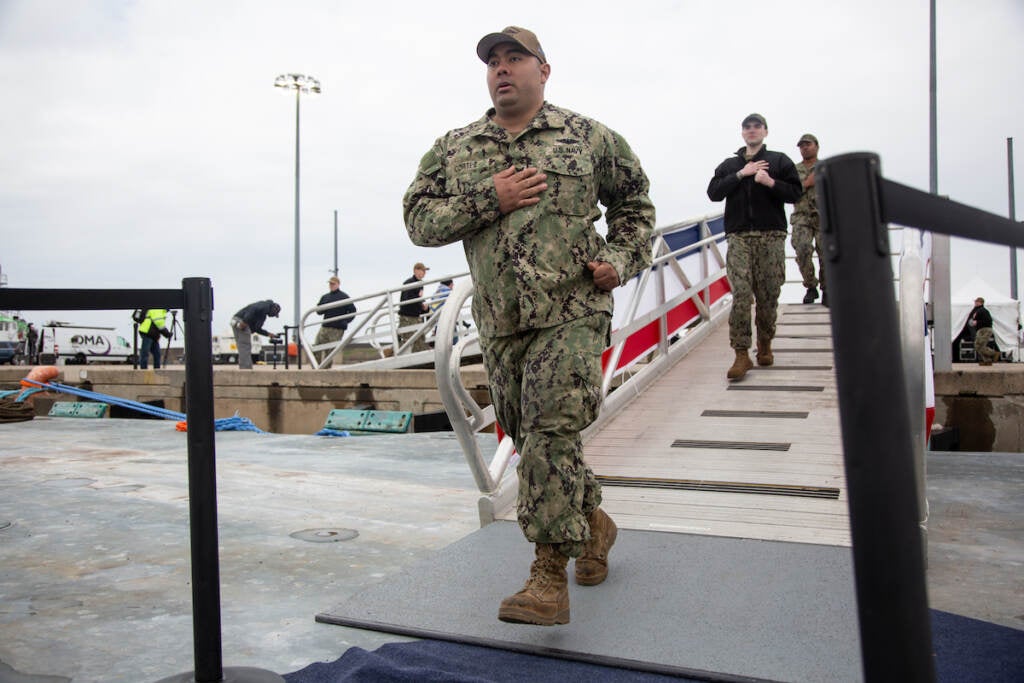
[[95, 577], [95, 581]]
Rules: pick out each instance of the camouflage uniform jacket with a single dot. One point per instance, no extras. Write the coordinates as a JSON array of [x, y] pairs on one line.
[[529, 267], [805, 211]]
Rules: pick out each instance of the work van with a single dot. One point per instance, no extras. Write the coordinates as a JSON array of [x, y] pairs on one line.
[[62, 343], [226, 351]]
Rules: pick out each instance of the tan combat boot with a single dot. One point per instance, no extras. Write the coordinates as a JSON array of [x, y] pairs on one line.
[[740, 365], [592, 565], [764, 351], [544, 599]]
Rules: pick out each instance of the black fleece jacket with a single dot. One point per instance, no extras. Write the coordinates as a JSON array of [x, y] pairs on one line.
[[748, 204]]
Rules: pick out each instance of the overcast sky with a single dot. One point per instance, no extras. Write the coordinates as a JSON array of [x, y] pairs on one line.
[[144, 142]]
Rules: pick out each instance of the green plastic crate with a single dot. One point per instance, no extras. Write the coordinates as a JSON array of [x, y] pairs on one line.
[[78, 409], [369, 421]]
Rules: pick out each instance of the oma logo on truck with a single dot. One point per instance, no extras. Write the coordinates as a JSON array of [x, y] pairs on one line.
[[92, 340]]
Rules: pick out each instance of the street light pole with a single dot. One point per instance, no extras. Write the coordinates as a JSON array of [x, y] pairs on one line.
[[300, 84]]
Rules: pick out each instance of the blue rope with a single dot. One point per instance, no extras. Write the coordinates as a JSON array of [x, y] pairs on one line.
[[113, 400], [236, 424], [28, 392], [332, 432], [225, 424]]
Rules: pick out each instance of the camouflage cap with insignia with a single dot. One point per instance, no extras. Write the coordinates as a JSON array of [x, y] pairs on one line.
[[807, 137], [511, 34]]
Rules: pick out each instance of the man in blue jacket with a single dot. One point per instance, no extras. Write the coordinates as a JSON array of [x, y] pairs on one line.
[[755, 183]]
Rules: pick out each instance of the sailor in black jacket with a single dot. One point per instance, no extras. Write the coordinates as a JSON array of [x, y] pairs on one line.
[[755, 184]]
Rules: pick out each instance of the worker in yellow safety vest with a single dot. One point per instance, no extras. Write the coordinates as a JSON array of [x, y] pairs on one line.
[[154, 324]]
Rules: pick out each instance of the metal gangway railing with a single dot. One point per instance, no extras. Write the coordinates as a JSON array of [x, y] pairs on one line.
[[660, 315], [376, 325]]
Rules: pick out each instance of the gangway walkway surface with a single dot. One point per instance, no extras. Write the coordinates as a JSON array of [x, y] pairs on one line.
[[733, 558], [755, 458]]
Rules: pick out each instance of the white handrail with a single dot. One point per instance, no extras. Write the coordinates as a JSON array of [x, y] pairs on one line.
[[661, 314], [913, 320], [375, 323]]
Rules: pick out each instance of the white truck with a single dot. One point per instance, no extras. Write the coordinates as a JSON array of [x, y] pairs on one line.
[[61, 343], [225, 350]]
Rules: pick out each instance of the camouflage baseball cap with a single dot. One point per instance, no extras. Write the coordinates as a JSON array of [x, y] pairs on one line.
[[807, 137], [511, 34], [754, 117]]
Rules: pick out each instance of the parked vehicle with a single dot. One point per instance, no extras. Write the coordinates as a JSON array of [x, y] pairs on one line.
[[12, 338], [61, 343], [226, 352]]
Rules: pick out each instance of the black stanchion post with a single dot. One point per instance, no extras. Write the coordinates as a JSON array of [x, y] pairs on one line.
[[135, 346], [202, 491], [202, 482], [287, 360], [888, 556]]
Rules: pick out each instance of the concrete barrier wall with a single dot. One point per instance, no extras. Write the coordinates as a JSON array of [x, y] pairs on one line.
[[280, 401], [986, 405]]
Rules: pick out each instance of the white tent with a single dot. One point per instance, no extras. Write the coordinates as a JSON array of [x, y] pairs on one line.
[[1005, 314]]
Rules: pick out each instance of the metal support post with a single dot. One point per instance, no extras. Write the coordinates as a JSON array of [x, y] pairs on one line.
[[884, 509], [202, 491]]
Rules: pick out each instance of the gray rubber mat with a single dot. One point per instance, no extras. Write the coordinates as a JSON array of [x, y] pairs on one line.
[[703, 606]]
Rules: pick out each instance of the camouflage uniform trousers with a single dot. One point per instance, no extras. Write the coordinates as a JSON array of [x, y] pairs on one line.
[[411, 321], [806, 241], [982, 351], [756, 266], [328, 335], [546, 387]]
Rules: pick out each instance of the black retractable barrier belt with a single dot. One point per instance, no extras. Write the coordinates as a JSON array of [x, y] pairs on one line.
[[918, 209]]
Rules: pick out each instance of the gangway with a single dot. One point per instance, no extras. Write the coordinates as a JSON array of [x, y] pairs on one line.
[[660, 316], [376, 325]]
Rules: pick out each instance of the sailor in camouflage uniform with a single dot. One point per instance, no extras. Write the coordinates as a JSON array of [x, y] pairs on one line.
[[754, 182], [806, 238], [520, 188]]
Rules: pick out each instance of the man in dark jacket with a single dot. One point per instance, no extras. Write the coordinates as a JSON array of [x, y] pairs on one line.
[[755, 183], [335, 323], [979, 320], [410, 310], [248, 320]]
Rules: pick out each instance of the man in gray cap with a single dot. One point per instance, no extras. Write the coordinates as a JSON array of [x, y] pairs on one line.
[[754, 183], [336, 321], [520, 188], [806, 236]]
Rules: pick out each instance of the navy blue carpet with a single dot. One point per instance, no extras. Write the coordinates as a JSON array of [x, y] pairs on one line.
[[966, 650]]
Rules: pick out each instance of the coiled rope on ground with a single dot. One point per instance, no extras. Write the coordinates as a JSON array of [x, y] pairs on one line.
[[15, 411]]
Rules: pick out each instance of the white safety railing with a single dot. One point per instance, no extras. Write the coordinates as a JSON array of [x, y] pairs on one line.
[[913, 269], [375, 324], [660, 315]]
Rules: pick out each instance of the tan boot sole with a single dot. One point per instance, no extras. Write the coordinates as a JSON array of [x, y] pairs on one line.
[[518, 615]]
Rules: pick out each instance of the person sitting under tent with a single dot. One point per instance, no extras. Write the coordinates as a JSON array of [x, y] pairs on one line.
[[978, 334], [980, 321]]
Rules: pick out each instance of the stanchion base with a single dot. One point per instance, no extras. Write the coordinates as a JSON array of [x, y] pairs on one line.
[[232, 674]]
